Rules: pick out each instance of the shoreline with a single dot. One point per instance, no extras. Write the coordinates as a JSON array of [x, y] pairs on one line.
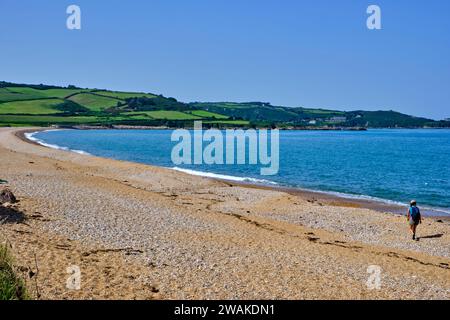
[[143, 232], [131, 127], [326, 197]]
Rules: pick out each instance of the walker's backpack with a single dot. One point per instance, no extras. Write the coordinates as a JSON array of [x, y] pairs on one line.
[[415, 213]]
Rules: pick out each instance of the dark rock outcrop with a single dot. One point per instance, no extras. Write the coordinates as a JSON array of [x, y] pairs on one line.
[[6, 196]]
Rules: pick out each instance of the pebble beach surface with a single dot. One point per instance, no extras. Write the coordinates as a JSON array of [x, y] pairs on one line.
[[142, 232]]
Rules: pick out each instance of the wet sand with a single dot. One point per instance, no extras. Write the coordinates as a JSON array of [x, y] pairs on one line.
[[142, 232]]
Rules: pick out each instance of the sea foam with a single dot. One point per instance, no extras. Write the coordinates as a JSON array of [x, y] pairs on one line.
[[223, 176], [31, 136]]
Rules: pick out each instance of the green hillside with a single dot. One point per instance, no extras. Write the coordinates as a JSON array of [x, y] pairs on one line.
[[43, 105], [251, 111], [260, 113], [385, 119]]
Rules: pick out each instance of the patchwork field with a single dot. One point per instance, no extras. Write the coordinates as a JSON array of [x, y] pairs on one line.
[[172, 115], [42, 105], [124, 95], [7, 95], [47, 93], [31, 107], [41, 120], [207, 114], [94, 102]]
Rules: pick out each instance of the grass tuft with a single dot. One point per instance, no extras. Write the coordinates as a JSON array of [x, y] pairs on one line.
[[12, 286]]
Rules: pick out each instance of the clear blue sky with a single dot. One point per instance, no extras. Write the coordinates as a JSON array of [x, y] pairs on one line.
[[295, 53]]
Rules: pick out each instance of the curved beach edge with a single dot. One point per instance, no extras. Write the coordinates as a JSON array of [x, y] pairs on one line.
[[143, 232], [327, 197]]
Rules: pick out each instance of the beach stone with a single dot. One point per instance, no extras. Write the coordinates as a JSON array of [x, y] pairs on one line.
[[6, 196]]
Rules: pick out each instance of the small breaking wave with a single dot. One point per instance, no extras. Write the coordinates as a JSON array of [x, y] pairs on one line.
[[223, 176], [31, 136]]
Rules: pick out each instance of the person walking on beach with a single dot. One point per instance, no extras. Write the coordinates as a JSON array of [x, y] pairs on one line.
[[414, 217]]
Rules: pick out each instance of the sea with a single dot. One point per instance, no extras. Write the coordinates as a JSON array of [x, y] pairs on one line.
[[386, 165]]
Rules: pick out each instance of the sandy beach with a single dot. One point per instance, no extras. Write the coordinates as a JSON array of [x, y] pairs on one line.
[[143, 232]]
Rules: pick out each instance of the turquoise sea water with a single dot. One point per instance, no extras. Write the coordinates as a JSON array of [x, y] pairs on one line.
[[393, 165]]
